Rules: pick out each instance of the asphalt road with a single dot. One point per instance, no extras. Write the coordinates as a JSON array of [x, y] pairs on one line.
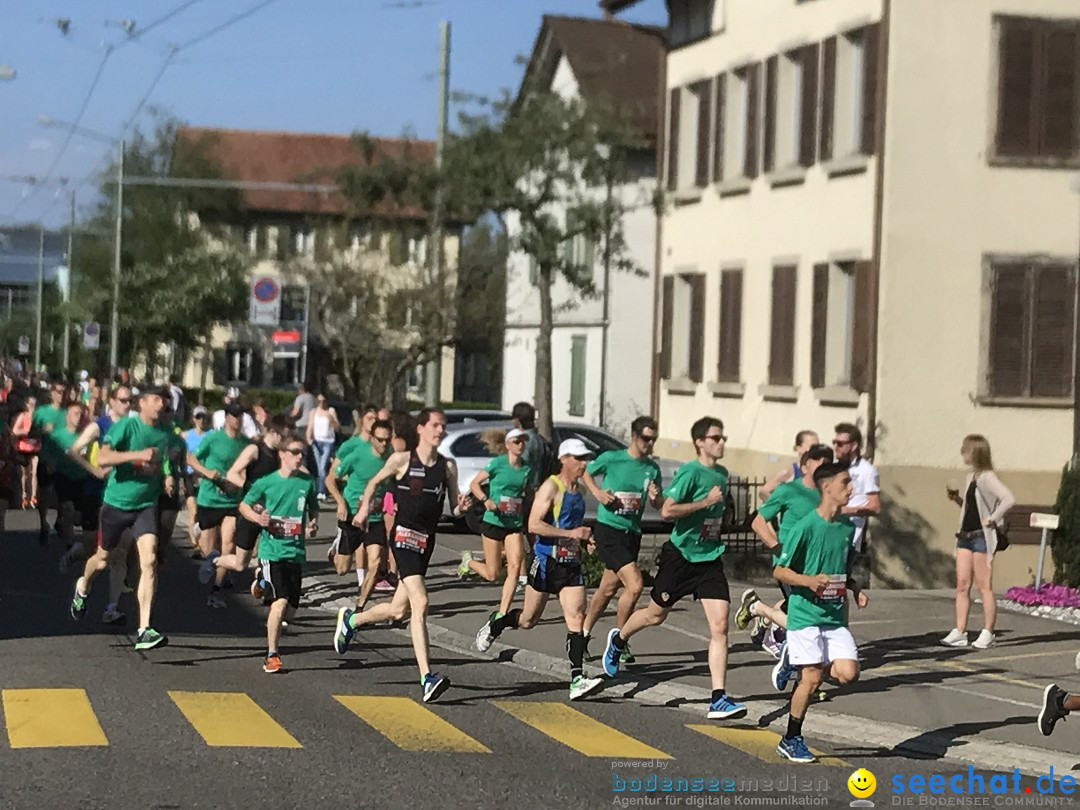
[[198, 724]]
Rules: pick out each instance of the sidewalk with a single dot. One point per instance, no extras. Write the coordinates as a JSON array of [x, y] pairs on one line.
[[969, 705]]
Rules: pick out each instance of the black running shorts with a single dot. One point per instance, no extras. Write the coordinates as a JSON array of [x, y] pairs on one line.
[[412, 549], [676, 577], [246, 534], [209, 517], [547, 575], [114, 522], [616, 548], [283, 581]]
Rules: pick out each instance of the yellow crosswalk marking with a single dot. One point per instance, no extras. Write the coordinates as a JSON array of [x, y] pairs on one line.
[[232, 718], [410, 726], [757, 742], [578, 731], [49, 718]]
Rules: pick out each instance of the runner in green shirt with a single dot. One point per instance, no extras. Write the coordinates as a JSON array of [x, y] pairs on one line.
[[363, 546], [690, 562], [287, 511], [45, 419], [631, 479], [362, 437], [71, 481], [814, 563]]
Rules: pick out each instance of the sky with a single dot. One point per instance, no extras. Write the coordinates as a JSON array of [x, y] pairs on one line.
[[297, 65]]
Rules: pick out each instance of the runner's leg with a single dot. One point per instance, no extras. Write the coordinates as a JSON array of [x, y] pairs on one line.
[[492, 564], [146, 545], [514, 546], [601, 598], [716, 613]]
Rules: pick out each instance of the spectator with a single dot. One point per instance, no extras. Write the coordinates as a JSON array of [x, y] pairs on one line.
[[302, 407], [321, 432]]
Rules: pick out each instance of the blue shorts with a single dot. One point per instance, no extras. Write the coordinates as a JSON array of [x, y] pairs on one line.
[[547, 575], [973, 544]]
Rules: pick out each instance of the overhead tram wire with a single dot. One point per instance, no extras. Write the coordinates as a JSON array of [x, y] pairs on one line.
[[231, 21]]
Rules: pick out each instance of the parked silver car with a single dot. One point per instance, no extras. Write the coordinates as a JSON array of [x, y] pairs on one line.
[[464, 445]]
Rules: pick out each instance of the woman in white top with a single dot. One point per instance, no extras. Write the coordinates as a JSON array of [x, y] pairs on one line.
[[983, 507], [321, 432]]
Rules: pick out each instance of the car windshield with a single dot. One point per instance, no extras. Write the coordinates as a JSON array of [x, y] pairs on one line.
[[595, 440], [469, 445]]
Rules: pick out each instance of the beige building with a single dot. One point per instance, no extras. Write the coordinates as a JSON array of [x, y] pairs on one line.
[[870, 219]]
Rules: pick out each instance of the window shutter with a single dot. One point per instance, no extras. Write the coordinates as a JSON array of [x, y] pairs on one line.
[[718, 131], [673, 141], [730, 326], [1052, 332], [703, 92], [667, 316], [819, 325], [808, 113], [828, 97], [753, 103], [1018, 88], [1061, 108], [782, 341], [862, 314], [1009, 306], [697, 327], [870, 39], [772, 66]]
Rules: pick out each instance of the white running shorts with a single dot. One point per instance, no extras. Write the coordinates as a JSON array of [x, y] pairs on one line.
[[820, 645]]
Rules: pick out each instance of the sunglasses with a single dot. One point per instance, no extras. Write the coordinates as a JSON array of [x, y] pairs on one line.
[[838, 443], [124, 401], [293, 451], [380, 439], [716, 437], [648, 439], [518, 440]]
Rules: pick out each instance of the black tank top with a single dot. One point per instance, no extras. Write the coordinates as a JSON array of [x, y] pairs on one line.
[[419, 494], [264, 463]]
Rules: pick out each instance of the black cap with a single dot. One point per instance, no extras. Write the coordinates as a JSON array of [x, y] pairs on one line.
[[234, 408], [157, 390]]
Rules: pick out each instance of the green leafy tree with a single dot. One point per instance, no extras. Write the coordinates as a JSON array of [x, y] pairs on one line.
[[1065, 548]]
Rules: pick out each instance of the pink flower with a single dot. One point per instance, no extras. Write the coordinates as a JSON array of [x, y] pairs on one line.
[[1049, 594]]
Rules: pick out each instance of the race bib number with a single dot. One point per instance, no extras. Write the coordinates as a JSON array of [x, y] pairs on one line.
[[836, 590], [511, 507], [568, 550], [710, 530], [629, 503], [410, 540], [147, 469], [288, 528]]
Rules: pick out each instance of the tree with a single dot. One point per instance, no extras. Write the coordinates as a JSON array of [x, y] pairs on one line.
[[481, 295]]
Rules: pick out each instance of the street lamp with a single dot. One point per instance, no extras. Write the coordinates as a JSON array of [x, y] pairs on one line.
[[114, 318]]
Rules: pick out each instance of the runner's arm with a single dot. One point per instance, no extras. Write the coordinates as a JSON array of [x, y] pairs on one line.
[[88, 436], [109, 457], [788, 577], [463, 501], [237, 473], [476, 487], [781, 477], [397, 464], [205, 472], [671, 510], [602, 495], [872, 507], [765, 532], [335, 492]]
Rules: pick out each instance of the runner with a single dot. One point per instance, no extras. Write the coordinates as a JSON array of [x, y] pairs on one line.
[[193, 438], [507, 477], [362, 436], [690, 562], [74, 502], [134, 448], [174, 471], [1056, 704], [422, 478], [288, 510], [557, 522], [804, 440], [44, 420], [28, 448], [631, 479], [248, 428], [865, 498], [814, 562], [363, 544]]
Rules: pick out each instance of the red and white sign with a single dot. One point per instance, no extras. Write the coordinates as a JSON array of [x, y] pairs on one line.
[[265, 306], [286, 342]]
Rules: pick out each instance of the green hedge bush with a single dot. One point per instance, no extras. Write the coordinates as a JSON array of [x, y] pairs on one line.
[[1065, 547]]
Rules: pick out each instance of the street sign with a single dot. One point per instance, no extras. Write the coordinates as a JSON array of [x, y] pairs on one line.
[[265, 306], [286, 342], [1042, 520], [24, 345], [91, 338]]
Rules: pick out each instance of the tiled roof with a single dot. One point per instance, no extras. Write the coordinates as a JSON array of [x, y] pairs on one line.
[[300, 157]]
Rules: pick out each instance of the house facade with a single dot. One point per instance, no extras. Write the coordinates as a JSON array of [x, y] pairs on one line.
[[600, 345], [866, 222]]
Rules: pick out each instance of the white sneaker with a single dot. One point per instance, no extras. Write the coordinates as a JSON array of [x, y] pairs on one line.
[[956, 638], [985, 640]]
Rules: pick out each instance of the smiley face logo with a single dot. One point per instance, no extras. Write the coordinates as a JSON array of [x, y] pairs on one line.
[[862, 784]]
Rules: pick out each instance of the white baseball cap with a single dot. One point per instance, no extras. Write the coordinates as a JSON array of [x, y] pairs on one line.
[[574, 447], [514, 433]]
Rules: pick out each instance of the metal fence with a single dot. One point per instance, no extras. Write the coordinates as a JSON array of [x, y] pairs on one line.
[[743, 502]]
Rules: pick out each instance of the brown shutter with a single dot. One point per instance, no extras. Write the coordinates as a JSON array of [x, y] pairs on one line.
[[667, 316], [1061, 101], [809, 108], [718, 132], [673, 141], [828, 97], [782, 341], [1018, 88], [730, 326], [861, 314], [819, 325], [753, 104], [697, 327], [1052, 332], [870, 39], [703, 92], [772, 66], [1009, 324]]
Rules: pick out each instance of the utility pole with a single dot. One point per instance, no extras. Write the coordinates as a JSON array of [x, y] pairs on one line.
[[114, 320], [71, 280], [1076, 354], [40, 293], [433, 378], [304, 344]]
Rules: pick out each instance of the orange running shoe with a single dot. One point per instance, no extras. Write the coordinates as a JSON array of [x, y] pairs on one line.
[[272, 664]]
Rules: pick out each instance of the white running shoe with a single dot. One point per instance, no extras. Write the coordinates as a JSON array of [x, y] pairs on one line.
[[984, 641], [956, 638], [582, 686]]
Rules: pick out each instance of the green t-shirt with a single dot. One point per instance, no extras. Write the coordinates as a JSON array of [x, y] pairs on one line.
[[791, 501], [351, 445], [359, 468], [697, 536], [506, 487], [217, 452], [816, 546], [66, 465], [46, 419], [290, 502], [628, 478], [132, 486]]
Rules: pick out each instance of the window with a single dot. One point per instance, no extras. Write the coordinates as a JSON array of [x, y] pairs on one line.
[[791, 93], [736, 132], [534, 271], [303, 240], [286, 371], [417, 249], [690, 20], [1031, 329], [730, 325], [682, 339], [596, 441], [577, 375], [782, 336], [751, 112], [292, 302], [849, 94], [239, 363], [690, 127], [1038, 112], [470, 445]]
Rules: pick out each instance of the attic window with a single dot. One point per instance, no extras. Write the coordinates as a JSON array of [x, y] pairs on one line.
[[691, 20]]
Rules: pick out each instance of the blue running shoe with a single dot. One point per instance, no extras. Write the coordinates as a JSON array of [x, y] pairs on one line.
[[795, 750], [612, 655], [344, 633], [726, 709], [207, 569], [433, 686], [783, 671]]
